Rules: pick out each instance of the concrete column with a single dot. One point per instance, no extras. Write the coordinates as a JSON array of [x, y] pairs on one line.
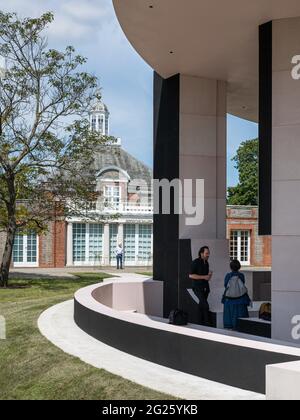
[[202, 155], [190, 144], [285, 179], [121, 236], [69, 244], [151, 263], [136, 244], [106, 246]]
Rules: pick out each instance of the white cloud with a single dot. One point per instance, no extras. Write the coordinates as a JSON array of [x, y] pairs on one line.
[[80, 20], [92, 28], [65, 28], [74, 19], [87, 10]]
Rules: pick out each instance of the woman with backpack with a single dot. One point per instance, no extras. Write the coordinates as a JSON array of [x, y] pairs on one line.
[[236, 299]]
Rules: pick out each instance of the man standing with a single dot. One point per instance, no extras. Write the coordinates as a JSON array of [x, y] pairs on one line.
[[201, 277], [119, 256]]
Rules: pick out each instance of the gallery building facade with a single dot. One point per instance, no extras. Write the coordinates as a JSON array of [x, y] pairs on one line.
[[125, 183], [78, 243], [124, 214]]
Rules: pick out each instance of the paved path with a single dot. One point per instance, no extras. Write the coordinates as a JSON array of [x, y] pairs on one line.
[[58, 326], [67, 271]]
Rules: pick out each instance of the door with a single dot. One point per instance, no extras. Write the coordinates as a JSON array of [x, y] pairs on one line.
[[25, 251]]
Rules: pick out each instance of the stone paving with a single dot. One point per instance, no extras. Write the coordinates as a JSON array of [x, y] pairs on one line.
[[58, 326]]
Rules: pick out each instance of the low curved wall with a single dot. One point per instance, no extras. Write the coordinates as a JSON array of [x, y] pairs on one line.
[[232, 360], [143, 297]]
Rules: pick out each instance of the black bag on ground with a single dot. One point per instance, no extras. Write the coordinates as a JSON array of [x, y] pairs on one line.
[[178, 317]]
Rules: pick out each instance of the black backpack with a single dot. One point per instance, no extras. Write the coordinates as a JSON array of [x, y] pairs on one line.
[[178, 317]]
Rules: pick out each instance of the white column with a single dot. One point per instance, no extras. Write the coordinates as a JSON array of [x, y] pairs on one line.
[[136, 244], [120, 239], [203, 157], [70, 244], [106, 245], [151, 263], [87, 244], [25, 241], [285, 180]]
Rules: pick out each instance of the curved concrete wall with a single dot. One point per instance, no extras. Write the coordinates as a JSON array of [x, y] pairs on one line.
[[233, 360], [141, 297]]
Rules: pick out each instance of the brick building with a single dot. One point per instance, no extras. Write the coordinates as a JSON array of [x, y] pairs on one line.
[[55, 249], [245, 243], [124, 183], [123, 213]]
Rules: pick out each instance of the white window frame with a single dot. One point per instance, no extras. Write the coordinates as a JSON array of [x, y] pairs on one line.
[[130, 262], [101, 124], [112, 199], [93, 123], [112, 256], [140, 261], [239, 245], [87, 261], [25, 263]]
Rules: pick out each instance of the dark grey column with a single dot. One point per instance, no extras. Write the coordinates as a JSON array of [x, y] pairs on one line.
[[166, 166], [190, 144], [265, 129]]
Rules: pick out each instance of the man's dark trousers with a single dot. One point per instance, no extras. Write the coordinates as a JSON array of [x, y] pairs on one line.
[[119, 262], [202, 294]]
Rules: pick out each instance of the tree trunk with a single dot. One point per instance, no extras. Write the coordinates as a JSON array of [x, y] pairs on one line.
[[11, 230], [7, 254]]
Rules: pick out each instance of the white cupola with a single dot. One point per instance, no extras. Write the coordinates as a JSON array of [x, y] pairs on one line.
[[99, 117]]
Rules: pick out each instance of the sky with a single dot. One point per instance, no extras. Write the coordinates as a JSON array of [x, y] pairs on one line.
[[125, 79]]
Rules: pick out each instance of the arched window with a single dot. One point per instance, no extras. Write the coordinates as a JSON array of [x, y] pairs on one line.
[[94, 122]]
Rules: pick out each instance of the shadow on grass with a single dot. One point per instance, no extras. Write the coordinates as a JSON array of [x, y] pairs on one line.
[[54, 284], [38, 276]]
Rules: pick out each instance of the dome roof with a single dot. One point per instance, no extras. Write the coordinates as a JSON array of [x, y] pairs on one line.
[[99, 106]]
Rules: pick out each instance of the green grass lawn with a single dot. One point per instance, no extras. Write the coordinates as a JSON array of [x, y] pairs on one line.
[[33, 368]]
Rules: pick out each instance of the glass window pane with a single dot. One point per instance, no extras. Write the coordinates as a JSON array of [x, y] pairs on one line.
[[18, 248], [239, 245], [32, 247], [79, 237], [113, 237], [129, 243], [95, 243], [112, 195], [145, 243]]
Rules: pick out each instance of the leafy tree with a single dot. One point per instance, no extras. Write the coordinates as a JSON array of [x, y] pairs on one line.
[[46, 147], [246, 162]]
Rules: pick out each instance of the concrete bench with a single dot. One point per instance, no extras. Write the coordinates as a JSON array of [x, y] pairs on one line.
[[283, 381], [105, 312], [255, 326], [217, 313]]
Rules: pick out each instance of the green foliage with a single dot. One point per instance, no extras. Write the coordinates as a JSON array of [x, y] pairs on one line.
[[46, 146], [246, 162]]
